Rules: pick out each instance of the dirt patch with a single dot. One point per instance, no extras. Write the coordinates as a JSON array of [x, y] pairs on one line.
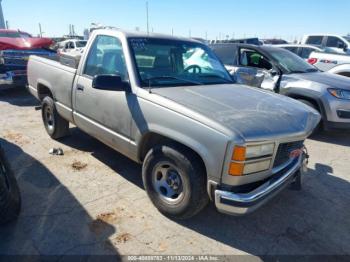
[[102, 223], [78, 166], [123, 238], [17, 138]]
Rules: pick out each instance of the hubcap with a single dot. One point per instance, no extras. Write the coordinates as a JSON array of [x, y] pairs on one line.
[[167, 182], [49, 118]]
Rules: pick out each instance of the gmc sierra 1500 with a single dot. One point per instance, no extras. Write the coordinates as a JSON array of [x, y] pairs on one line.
[[199, 136]]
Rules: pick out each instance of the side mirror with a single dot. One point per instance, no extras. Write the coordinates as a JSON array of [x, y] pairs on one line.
[[110, 83], [345, 48]]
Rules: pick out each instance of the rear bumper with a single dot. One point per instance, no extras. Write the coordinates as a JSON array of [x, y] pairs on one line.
[[244, 203]]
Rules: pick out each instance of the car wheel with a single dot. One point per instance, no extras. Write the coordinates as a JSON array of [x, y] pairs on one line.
[[56, 126], [10, 199], [175, 181]]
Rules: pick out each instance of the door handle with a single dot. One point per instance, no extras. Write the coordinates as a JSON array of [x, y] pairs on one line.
[[80, 88]]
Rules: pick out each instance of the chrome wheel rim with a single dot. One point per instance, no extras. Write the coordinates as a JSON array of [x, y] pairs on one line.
[[49, 118], [167, 181]]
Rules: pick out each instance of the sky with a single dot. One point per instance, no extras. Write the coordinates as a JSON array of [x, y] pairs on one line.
[[288, 19]]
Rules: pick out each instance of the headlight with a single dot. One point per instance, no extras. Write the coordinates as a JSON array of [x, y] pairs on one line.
[[339, 93], [260, 150], [251, 159]]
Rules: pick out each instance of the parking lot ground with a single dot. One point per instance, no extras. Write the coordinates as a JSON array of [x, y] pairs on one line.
[[91, 201]]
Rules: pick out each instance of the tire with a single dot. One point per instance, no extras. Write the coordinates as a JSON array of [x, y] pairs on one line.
[[10, 199], [175, 181], [56, 126], [312, 105]]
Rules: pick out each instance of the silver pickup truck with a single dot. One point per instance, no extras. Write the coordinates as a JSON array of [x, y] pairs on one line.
[[198, 136]]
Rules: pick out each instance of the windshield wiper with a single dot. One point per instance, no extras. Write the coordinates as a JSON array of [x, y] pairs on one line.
[[217, 76], [148, 80]]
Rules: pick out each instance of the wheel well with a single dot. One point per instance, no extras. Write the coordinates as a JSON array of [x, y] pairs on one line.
[[347, 74], [151, 140], [44, 91], [314, 102]]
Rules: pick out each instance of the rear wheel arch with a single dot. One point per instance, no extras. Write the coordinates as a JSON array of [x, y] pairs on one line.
[[44, 91]]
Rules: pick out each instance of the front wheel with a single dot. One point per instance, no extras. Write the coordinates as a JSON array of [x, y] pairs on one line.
[[56, 126], [175, 181]]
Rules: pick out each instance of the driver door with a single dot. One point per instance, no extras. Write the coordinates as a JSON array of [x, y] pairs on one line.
[[255, 70]]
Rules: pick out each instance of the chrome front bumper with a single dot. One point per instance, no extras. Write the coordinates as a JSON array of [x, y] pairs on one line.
[[244, 203]]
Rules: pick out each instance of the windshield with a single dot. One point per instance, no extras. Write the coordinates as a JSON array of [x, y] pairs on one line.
[[14, 34], [80, 44], [164, 62], [289, 62]]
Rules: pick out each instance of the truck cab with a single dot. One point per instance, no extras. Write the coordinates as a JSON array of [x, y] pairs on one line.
[[333, 43]]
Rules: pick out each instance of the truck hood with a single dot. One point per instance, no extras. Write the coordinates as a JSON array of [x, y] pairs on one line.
[[24, 43], [251, 113], [331, 80]]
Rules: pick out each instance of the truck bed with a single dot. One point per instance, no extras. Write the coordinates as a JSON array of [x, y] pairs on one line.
[[44, 72]]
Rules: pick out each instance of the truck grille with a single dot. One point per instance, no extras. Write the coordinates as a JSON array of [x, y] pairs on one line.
[[284, 151]]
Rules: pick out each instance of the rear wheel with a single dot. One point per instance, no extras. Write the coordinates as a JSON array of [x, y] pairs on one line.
[[10, 200], [56, 126], [175, 181]]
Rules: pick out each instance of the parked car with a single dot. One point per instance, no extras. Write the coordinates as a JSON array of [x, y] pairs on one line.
[[335, 43], [198, 135], [251, 41], [71, 45], [303, 51], [332, 63], [273, 41], [281, 71], [10, 199], [16, 47]]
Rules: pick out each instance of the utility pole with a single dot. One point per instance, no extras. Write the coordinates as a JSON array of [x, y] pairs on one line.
[[7, 24], [40, 31], [2, 19], [172, 31], [147, 16]]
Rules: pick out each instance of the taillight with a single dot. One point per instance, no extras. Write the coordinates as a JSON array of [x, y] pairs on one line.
[[312, 61]]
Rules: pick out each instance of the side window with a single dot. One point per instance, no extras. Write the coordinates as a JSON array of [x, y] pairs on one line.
[[252, 58], [106, 57], [71, 45], [293, 49], [335, 42], [66, 46], [314, 40], [305, 52], [226, 54]]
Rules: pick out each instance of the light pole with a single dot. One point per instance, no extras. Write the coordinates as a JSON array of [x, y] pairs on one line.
[[147, 17], [2, 20]]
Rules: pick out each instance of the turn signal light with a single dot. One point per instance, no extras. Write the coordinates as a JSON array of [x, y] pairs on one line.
[[239, 153], [236, 169]]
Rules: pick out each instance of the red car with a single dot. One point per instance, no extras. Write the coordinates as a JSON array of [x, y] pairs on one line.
[[17, 40]]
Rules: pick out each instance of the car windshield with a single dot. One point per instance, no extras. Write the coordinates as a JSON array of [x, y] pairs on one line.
[[164, 62], [80, 44], [14, 34], [291, 63]]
